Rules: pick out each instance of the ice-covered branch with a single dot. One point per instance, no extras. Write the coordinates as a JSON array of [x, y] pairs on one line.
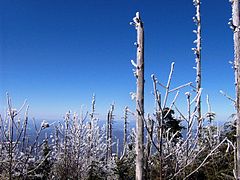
[[228, 97]]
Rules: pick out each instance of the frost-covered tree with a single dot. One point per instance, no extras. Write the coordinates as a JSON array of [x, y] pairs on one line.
[[139, 74], [109, 139], [235, 25], [197, 52]]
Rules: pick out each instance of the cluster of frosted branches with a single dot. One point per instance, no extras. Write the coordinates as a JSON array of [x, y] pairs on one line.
[[19, 155], [175, 156], [75, 148], [177, 151], [83, 151]]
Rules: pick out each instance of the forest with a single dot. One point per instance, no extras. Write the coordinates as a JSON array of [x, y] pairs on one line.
[[172, 143]]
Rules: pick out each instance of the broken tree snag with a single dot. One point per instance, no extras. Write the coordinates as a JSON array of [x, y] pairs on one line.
[[235, 25], [139, 97], [197, 52]]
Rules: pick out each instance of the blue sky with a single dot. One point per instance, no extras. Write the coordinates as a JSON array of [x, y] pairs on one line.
[[57, 53]]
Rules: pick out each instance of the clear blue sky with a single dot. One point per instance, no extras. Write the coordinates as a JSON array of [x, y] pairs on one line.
[[57, 53]]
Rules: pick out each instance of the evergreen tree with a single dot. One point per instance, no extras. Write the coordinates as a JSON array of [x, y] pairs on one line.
[[170, 122]]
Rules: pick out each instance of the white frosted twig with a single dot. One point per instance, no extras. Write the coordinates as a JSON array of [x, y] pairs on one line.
[[131, 112], [210, 115], [133, 63], [179, 87], [208, 104], [194, 88], [24, 103], [230, 142], [181, 114], [156, 94], [173, 102], [173, 136], [161, 85], [197, 97], [168, 85], [228, 97]]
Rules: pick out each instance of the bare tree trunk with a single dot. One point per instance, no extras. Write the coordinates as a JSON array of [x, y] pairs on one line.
[[125, 128], [149, 137], [159, 118], [92, 119], [188, 128], [139, 97], [109, 132], [57, 139], [24, 133], [197, 52], [107, 139], [66, 138], [11, 145], [236, 39], [149, 145], [91, 129], [10, 137]]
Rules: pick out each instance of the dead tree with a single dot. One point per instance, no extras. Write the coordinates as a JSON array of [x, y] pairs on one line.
[[125, 128], [139, 96], [125, 133], [91, 127], [12, 114], [148, 149], [66, 143], [197, 52], [159, 119], [160, 116], [109, 132], [235, 25]]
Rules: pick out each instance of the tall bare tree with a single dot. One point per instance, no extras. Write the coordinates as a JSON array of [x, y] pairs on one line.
[[197, 52], [236, 38], [139, 97]]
